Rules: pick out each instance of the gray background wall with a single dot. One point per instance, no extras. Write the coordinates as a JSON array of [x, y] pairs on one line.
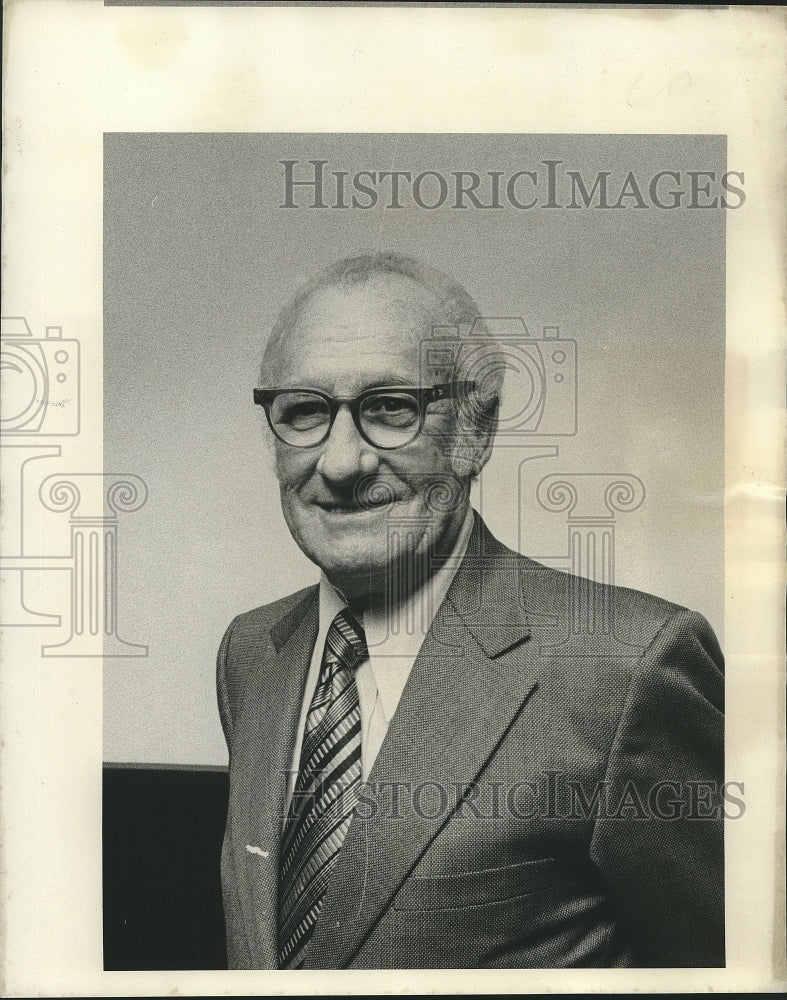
[[198, 260]]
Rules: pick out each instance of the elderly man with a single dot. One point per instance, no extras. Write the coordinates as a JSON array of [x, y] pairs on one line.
[[430, 766]]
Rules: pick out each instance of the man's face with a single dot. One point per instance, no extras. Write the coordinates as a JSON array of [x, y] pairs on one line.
[[343, 342]]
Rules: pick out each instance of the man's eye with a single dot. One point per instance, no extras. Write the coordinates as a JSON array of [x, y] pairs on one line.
[[391, 404], [391, 410], [303, 415]]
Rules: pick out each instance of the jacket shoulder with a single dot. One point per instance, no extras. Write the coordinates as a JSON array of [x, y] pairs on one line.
[[559, 601], [265, 618], [567, 613], [249, 641], [594, 637]]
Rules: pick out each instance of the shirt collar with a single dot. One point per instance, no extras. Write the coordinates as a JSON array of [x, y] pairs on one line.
[[331, 603]]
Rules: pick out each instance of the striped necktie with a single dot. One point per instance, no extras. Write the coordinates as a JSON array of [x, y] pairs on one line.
[[326, 791]]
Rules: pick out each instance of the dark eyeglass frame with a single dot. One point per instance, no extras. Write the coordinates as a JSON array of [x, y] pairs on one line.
[[423, 396]]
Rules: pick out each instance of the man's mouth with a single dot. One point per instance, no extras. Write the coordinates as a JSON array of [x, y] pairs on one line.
[[360, 506]]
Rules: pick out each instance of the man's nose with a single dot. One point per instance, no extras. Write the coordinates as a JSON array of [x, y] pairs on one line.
[[345, 455]]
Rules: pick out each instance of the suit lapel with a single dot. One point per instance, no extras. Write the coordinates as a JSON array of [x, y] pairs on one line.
[[262, 756], [462, 696]]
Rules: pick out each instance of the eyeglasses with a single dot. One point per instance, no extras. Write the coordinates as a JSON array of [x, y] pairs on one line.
[[386, 417]]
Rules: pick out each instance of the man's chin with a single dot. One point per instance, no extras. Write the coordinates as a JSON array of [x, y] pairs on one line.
[[362, 567], [359, 568]]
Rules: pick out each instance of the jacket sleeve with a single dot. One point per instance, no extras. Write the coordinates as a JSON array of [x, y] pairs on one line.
[[659, 844], [222, 685], [238, 951]]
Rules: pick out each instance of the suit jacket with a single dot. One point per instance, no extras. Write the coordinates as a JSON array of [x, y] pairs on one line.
[[558, 754]]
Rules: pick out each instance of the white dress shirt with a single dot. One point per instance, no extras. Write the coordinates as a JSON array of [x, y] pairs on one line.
[[394, 639]]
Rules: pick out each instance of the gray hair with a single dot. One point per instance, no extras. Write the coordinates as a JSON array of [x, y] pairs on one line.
[[477, 358]]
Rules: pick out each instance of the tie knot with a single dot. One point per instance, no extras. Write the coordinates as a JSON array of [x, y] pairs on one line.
[[347, 639]]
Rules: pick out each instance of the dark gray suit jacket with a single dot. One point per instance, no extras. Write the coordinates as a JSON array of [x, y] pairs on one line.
[[548, 793]]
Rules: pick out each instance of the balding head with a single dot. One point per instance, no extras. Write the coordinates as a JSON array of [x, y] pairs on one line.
[[427, 299]]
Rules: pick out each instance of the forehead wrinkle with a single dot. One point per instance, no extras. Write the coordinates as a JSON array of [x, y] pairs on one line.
[[329, 339], [349, 323], [340, 356], [351, 380], [398, 301]]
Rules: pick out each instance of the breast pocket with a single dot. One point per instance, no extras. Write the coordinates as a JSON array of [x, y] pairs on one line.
[[457, 890]]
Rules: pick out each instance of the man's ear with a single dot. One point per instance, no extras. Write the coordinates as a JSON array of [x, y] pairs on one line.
[[473, 446]]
